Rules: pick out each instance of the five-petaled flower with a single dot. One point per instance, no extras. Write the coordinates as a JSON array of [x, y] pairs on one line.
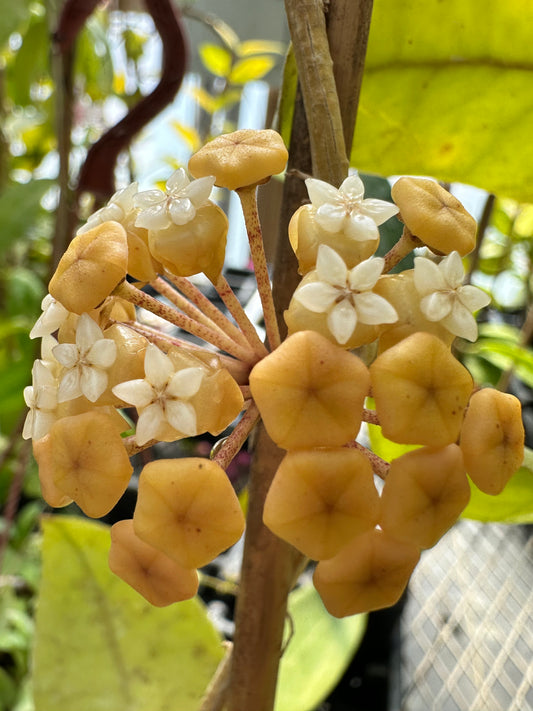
[[346, 294], [41, 398], [445, 299], [178, 204], [161, 397], [344, 209], [85, 362], [120, 208], [53, 316]]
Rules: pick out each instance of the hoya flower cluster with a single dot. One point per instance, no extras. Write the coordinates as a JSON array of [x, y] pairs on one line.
[[101, 359]]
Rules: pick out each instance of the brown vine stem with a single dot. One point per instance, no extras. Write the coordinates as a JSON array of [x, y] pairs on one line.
[[267, 577], [194, 295], [248, 198], [269, 564], [348, 25], [307, 25], [220, 340]]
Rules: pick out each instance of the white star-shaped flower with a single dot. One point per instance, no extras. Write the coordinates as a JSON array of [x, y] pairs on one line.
[[53, 316], [85, 362], [120, 208], [41, 398], [178, 204], [346, 294], [445, 299], [345, 210], [162, 396]]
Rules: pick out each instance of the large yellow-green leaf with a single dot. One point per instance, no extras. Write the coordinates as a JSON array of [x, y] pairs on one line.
[[513, 505], [448, 92], [318, 653], [100, 646]]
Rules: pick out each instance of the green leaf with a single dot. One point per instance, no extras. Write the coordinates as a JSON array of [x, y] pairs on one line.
[[20, 205], [93, 59], [442, 98], [506, 355], [318, 653], [251, 69], [513, 505], [100, 645], [385, 448], [31, 61], [216, 59], [24, 292], [13, 16]]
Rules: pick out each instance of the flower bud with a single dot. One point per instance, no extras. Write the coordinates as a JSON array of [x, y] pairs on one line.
[[424, 494], [240, 159], [421, 391], [83, 456], [187, 509], [310, 393], [94, 263], [368, 574], [322, 498], [492, 439], [155, 576], [434, 215]]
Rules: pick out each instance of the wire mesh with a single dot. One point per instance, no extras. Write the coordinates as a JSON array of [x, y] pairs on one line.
[[466, 636]]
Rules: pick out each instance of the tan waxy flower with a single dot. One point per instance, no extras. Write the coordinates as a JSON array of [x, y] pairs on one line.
[[41, 399], [368, 574], [306, 235], [444, 298], [162, 397], [322, 498], [94, 263], [424, 494], [310, 393], [400, 291], [345, 296], [198, 245], [84, 458], [52, 317], [346, 209], [188, 509], [129, 363], [421, 391], [176, 205], [85, 363], [434, 215], [492, 439], [154, 575], [241, 159]]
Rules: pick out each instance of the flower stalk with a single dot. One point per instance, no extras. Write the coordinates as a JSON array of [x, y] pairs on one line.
[[248, 198], [225, 343], [194, 294]]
